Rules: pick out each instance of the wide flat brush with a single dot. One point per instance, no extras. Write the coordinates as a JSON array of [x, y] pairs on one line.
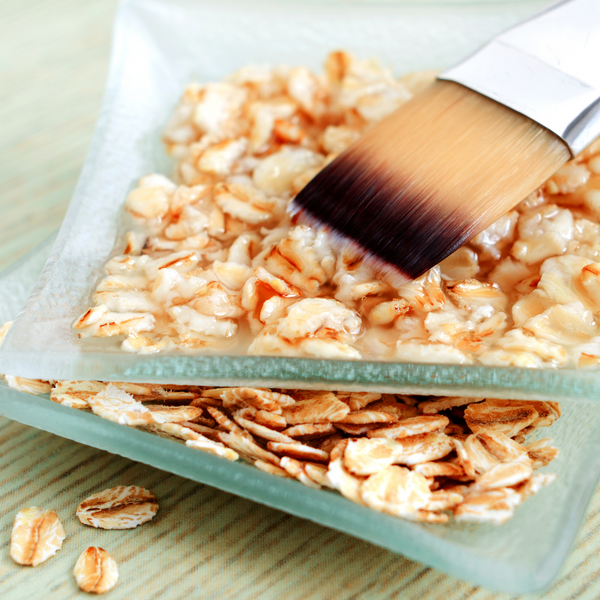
[[456, 157]]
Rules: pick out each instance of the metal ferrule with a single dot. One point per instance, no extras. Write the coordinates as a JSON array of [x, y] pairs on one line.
[[547, 68]]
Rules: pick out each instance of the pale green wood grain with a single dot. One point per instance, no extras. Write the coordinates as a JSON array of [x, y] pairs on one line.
[[53, 64]]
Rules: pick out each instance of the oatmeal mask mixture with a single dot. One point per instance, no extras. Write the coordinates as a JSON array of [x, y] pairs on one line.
[[214, 263]]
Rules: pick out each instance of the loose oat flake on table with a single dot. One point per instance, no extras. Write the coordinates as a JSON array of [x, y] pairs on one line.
[[419, 458], [212, 262], [121, 507], [37, 534], [96, 571]]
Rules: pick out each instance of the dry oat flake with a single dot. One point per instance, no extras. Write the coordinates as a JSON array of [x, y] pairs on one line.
[[37, 534], [471, 460], [121, 507], [96, 571]]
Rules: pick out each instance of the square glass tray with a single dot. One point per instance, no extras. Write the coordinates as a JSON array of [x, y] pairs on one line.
[[161, 46], [520, 556]]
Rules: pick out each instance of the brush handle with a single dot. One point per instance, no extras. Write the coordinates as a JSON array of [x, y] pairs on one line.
[[547, 68]]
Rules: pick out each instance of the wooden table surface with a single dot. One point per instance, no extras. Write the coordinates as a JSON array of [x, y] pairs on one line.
[[204, 543]]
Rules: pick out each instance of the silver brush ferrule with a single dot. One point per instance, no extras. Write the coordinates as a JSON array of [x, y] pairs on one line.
[[546, 68]]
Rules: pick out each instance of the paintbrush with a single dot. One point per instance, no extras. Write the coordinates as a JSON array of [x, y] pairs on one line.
[[457, 156]]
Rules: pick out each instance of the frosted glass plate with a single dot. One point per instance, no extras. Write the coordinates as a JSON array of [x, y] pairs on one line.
[[160, 46], [520, 556]]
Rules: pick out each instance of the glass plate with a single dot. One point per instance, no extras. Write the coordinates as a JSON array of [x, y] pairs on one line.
[[520, 556], [160, 46]]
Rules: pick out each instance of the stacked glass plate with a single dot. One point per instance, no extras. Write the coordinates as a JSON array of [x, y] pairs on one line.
[[159, 46]]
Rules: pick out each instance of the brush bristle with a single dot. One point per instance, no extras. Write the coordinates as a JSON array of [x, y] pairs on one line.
[[429, 177]]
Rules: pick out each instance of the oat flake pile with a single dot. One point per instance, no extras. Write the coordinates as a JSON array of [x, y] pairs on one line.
[[413, 457]]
